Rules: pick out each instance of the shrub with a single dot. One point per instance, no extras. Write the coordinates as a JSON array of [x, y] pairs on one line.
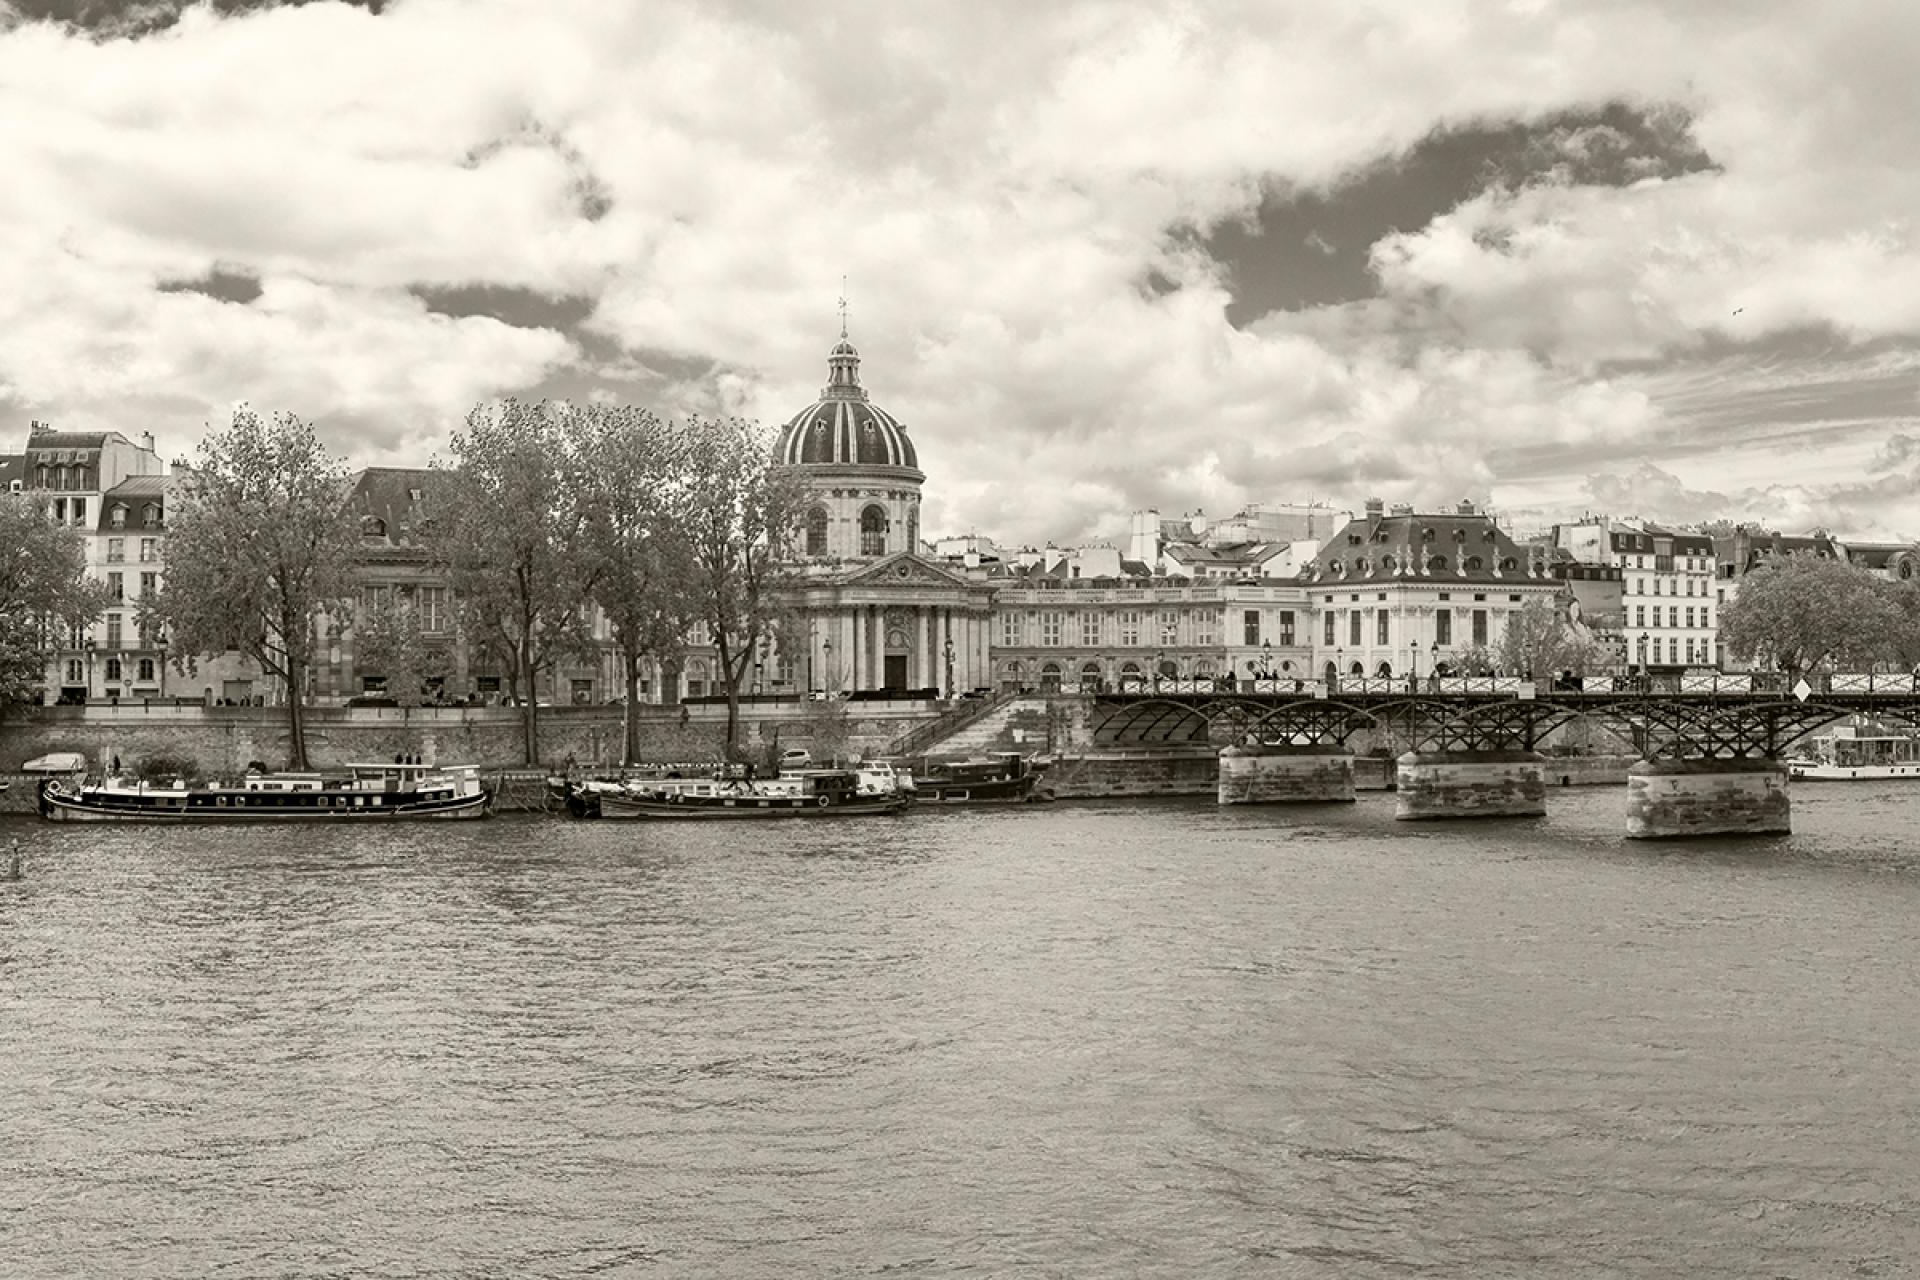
[[167, 768]]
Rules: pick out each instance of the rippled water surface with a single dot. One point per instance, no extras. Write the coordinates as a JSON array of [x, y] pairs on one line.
[[1125, 1039]]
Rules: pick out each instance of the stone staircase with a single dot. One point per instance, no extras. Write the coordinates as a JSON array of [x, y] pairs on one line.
[[1011, 723]]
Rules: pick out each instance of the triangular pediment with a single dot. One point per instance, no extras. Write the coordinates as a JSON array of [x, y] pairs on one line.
[[905, 570]]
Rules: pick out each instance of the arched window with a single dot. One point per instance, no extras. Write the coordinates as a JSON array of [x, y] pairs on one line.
[[873, 532], [1359, 669], [1089, 671], [1473, 564], [817, 531], [1385, 670], [1050, 677], [1509, 565], [1386, 564], [1332, 672], [1438, 564]]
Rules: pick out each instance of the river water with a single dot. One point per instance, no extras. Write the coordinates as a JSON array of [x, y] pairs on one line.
[[1098, 1039]]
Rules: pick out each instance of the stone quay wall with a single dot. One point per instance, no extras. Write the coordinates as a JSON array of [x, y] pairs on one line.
[[1678, 798], [1470, 784], [1162, 772], [223, 740], [1284, 775]]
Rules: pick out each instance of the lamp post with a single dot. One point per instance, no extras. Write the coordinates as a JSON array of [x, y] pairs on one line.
[[1266, 659], [758, 667], [946, 651], [826, 677], [89, 697], [1434, 666], [1646, 680], [160, 643], [1339, 665], [1413, 666]]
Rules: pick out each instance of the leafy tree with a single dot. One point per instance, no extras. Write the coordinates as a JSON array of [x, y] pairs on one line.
[[633, 488], [505, 528], [740, 517], [259, 544], [1796, 612], [389, 641], [1539, 643], [1470, 660], [43, 589], [1903, 643]]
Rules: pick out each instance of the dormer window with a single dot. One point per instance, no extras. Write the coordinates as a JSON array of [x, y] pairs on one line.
[[413, 495], [118, 516], [1509, 565], [150, 517], [1459, 535], [372, 527], [1426, 534], [1474, 564]]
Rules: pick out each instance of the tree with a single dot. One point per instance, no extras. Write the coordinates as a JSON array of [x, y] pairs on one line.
[[1471, 660], [504, 527], [43, 589], [740, 517], [1539, 642], [389, 641], [632, 485], [1795, 612], [1903, 644], [259, 543]]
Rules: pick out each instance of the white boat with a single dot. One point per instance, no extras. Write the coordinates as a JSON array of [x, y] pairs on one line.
[[1858, 753]]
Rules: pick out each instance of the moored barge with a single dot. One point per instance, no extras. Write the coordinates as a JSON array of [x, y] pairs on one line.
[[371, 793], [811, 793]]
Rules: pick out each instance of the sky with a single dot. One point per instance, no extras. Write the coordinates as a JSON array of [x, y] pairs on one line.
[[1556, 256]]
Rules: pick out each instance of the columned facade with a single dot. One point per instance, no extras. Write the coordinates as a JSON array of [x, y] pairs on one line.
[[870, 611]]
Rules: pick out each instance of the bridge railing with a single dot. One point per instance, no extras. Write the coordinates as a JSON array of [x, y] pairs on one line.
[[1902, 684]]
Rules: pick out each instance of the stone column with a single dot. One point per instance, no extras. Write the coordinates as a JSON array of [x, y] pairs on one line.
[[843, 645], [1285, 775], [1667, 798], [871, 626], [1470, 784]]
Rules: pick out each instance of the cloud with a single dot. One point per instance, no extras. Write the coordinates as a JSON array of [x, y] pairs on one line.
[[660, 201]]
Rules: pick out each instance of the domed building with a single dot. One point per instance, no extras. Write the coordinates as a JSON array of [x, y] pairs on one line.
[[877, 613]]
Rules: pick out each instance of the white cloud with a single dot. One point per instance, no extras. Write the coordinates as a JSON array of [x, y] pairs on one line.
[[997, 181]]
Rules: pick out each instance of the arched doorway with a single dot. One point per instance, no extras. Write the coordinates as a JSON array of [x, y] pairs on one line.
[[1168, 669], [1013, 673], [1050, 678], [1385, 671], [1358, 669], [1331, 674]]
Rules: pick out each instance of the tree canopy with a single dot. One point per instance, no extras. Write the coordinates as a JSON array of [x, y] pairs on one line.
[[633, 485], [1795, 612], [44, 589], [1540, 643], [741, 514], [259, 544], [505, 526]]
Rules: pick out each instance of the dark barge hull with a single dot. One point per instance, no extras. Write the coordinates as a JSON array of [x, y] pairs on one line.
[[58, 805]]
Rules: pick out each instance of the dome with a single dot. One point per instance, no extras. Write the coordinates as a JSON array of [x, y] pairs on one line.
[[843, 428]]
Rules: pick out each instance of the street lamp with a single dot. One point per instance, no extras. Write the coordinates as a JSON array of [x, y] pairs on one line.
[[1413, 665], [1266, 659], [1645, 680], [1339, 665], [1434, 666], [160, 642], [947, 651], [826, 651], [90, 642]]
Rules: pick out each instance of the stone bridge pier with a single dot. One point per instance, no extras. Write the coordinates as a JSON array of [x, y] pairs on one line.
[[1707, 797], [1480, 762], [1268, 773]]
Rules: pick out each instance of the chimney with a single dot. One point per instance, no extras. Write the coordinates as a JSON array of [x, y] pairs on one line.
[[1403, 508], [38, 428], [146, 441], [1375, 508]]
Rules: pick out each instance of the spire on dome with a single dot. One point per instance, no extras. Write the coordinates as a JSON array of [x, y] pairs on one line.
[[843, 308]]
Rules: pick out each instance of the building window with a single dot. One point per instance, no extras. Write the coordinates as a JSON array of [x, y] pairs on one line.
[[1706, 619], [1353, 628], [1689, 619], [149, 583], [873, 532], [1169, 628], [118, 517], [1010, 628], [113, 631], [116, 586], [431, 604], [75, 673], [1206, 623], [79, 510], [1381, 630], [1050, 628], [1639, 615], [1673, 615], [146, 668], [59, 510], [113, 668], [1673, 652], [150, 517], [1480, 626], [1250, 623], [149, 550], [1443, 626], [1129, 627], [1090, 628], [116, 550], [817, 531], [1286, 627]]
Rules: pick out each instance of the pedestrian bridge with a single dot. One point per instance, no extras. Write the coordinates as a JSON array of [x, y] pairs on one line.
[[1710, 747]]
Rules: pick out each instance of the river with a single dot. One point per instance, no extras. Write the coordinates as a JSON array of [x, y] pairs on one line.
[[1096, 1039]]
